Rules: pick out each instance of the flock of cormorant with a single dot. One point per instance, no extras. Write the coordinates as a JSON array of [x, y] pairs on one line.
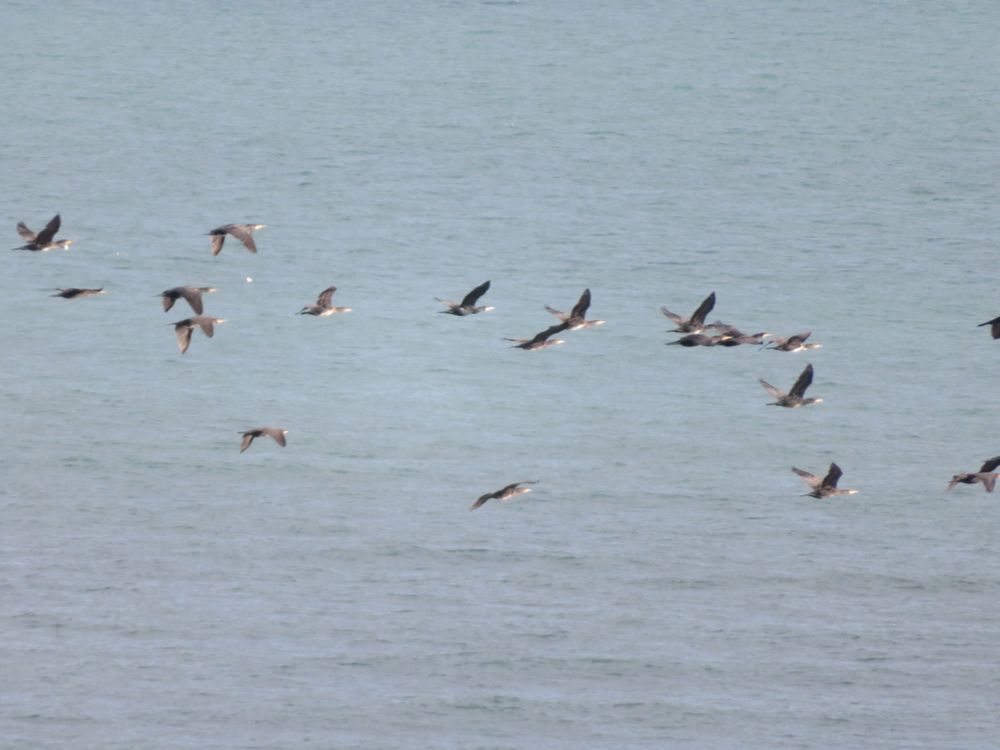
[[693, 328]]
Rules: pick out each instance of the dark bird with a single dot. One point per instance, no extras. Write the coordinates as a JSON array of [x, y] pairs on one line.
[[541, 340], [44, 240], [732, 336], [696, 323], [191, 294], [184, 329], [468, 305], [795, 397], [576, 318], [994, 327], [323, 306], [986, 475], [796, 343], [272, 432], [695, 339], [511, 490], [73, 292], [825, 487], [242, 232]]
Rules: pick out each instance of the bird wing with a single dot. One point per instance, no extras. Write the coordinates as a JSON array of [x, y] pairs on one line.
[[995, 329], [28, 236], [811, 479], [244, 235], [776, 392], [217, 241], [471, 298], [704, 309], [247, 439], [323, 300], [798, 338], [955, 480], [278, 435], [543, 335], [184, 337], [989, 482], [45, 236], [207, 325], [168, 299], [483, 499], [448, 302], [991, 464], [673, 316], [558, 313], [832, 476], [580, 308], [192, 297], [804, 379]]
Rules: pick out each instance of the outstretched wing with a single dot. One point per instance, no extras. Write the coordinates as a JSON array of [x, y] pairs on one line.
[[45, 236], [191, 296], [673, 316], [811, 479], [28, 236], [471, 298], [543, 335], [990, 465], [184, 338], [558, 313], [580, 308], [278, 435], [323, 300], [207, 326], [244, 235], [703, 309], [776, 392], [247, 439], [832, 476], [483, 499], [805, 378], [217, 240]]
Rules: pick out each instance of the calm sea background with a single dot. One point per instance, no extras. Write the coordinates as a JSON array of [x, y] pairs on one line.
[[665, 585]]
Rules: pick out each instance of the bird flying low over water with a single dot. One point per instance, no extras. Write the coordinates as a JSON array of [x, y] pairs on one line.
[[73, 292], [191, 294], [43, 240], [576, 318], [272, 432], [323, 307], [511, 490], [825, 487], [184, 329], [796, 343], [242, 232], [541, 340], [468, 304], [994, 327], [795, 397], [696, 323], [986, 474]]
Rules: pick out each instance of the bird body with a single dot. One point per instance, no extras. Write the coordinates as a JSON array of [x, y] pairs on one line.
[[986, 474], [185, 328], [43, 240], [468, 304], [511, 490], [695, 339], [796, 343], [696, 323], [825, 487], [242, 232], [540, 340], [73, 292], [576, 319], [994, 327], [273, 432], [322, 308], [190, 294], [795, 397]]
